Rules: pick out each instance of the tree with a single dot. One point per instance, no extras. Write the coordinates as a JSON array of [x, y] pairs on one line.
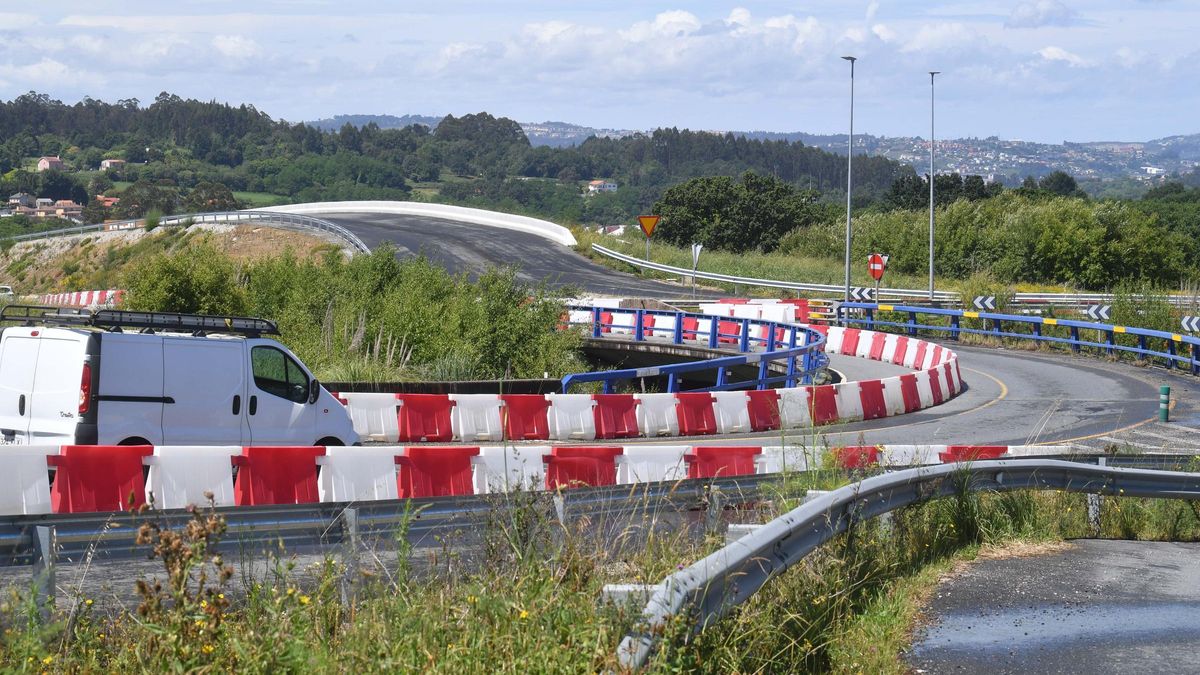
[[1062, 184], [210, 197], [142, 197], [57, 185]]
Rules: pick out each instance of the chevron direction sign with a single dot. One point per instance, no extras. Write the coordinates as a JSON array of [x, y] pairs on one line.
[[1191, 324], [983, 302], [1098, 312], [858, 294]]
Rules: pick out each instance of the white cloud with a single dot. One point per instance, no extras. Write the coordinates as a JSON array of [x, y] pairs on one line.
[[1037, 13], [872, 10], [941, 36], [42, 73], [1060, 54], [236, 46], [884, 33]]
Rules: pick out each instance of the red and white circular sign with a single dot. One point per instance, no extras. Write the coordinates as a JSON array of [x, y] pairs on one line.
[[876, 264]]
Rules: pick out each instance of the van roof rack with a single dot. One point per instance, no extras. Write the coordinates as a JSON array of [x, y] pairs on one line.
[[120, 318]]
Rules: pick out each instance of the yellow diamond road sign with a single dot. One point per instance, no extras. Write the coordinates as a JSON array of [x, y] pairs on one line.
[[648, 224]]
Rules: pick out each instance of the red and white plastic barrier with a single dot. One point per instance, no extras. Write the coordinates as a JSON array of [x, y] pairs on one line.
[[470, 418], [92, 299], [99, 478]]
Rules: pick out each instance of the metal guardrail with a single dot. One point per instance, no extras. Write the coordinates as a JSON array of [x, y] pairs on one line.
[[1059, 299], [800, 342], [286, 220], [1178, 349], [716, 584]]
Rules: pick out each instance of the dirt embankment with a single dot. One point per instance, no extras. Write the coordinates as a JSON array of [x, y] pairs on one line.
[[99, 260]]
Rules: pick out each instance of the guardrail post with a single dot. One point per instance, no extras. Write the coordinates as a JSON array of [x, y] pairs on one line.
[[1141, 356], [1094, 506], [1109, 340], [1075, 339], [672, 384], [1037, 330], [352, 575], [912, 323], [1195, 359], [595, 322], [715, 323], [608, 388], [677, 336], [44, 563], [721, 375], [791, 362], [744, 338], [771, 328], [1173, 354], [712, 515], [997, 327], [638, 322], [764, 372], [954, 326], [870, 318]]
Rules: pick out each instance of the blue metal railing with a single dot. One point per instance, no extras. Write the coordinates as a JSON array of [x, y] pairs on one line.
[[801, 348], [1178, 349]]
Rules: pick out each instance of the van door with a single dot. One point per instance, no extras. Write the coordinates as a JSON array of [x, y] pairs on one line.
[[54, 406], [18, 363], [279, 411], [130, 389], [204, 380]]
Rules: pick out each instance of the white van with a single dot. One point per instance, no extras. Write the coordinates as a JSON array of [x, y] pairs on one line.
[[113, 377]]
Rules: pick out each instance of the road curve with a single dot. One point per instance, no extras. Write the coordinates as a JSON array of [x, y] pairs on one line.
[[466, 247]]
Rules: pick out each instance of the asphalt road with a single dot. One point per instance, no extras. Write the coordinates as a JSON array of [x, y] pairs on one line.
[[464, 247], [1099, 607]]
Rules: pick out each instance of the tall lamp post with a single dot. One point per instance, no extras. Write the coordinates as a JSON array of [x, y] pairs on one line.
[[849, 172], [931, 74]]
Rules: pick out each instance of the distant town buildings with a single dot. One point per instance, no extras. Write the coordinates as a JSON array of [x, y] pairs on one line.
[[107, 202], [50, 164], [116, 164], [22, 204], [598, 186]]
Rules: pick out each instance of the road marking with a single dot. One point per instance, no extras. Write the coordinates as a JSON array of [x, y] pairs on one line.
[[1123, 441], [1105, 433]]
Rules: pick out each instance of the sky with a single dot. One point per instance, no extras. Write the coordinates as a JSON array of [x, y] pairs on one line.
[[1036, 70]]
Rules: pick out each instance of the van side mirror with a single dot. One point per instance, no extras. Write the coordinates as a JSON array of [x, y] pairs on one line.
[[314, 390]]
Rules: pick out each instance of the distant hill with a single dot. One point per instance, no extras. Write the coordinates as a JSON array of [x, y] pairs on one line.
[[382, 121]]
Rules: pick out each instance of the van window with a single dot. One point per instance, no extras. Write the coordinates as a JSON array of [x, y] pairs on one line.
[[276, 373]]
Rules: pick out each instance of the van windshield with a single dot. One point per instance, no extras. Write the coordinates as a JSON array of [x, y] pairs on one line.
[[277, 374]]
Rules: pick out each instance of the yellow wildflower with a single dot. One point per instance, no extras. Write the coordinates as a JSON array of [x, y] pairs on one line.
[[48, 660], [304, 599], [524, 614], [207, 649]]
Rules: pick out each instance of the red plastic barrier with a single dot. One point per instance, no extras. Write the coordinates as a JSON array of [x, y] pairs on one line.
[[919, 359], [734, 301], [98, 478], [823, 402], [764, 409], [910, 393], [276, 475], [850, 341], [615, 415], [690, 325], [935, 384], [648, 325], [606, 321], [695, 413], [870, 392], [730, 331], [525, 417], [877, 342], [801, 308], [901, 349], [338, 396], [425, 417], [856, 457], [820, 328], [937, 355], [581, 465], [971, 453], [432, 471], [721, 460]]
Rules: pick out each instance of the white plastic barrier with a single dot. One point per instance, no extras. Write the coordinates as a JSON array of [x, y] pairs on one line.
[[25, 485], [579, 316], [644, 463], [664, 326], [732, 410], [833, 340], [656, 414], [910, 455], [795, 411], [780, 313], [716, 309], [893, 396], [375, 416], [848, 396], [747, 311], [180, 475], [623, 323], [476, 417], [504, 469], [778, 459], [571, 418], [352, 474]]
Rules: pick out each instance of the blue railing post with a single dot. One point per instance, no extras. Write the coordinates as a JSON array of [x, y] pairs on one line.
[[954, 326], [791, 362], [1196, 359], [1075, 339], [608, 386], [672, 385], [595, 322], [1171, 362], [677, 338], [1037, 330], [721, 374], [1109, 340], [912, 323], [763, 373], [1142, 347], [744, 338], [870, 318], [715, 322], [996, 327], [771, 328], [639, 320]]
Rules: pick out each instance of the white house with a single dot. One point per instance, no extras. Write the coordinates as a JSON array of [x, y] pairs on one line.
[[598, 186], [48, 163]]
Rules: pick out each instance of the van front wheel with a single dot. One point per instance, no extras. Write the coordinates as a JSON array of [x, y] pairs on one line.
[[135, 441], [329, 441]]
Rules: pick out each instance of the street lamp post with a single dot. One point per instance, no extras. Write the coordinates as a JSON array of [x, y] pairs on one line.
[[849, 172], [931, 74]]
